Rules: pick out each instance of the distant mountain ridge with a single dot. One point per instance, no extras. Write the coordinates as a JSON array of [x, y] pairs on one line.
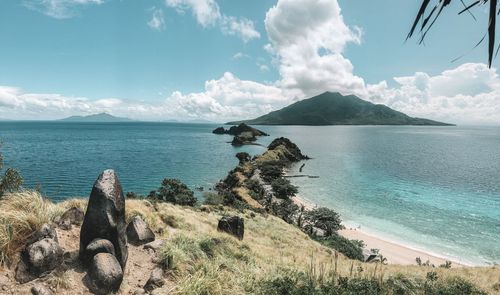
[[335, 109], [102, 117]]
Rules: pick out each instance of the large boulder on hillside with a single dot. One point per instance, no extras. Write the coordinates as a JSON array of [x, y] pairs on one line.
[[233, 225], [138, 232], [73, 216], [105, 274], [105, 216], [38, 259], [95, 247]]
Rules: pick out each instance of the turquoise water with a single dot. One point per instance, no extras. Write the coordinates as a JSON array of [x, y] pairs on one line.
[[434, 188]]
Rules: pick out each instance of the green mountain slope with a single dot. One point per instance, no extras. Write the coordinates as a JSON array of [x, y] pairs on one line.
[[103, 117], [335, 109]]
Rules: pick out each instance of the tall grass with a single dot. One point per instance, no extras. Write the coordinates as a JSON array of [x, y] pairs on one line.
[[21, 214]]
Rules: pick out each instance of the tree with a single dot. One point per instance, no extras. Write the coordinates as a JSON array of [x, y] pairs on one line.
[[428, 14], [283, 189], [286, 210], [11, 181], [323, 218], [176, 192]]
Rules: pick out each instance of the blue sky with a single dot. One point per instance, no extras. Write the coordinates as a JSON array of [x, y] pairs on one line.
[[225, 59]]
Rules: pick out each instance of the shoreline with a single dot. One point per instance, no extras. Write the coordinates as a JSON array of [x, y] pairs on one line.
[[396, 253]]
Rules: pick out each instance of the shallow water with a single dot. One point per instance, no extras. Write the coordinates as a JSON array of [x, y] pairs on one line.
[[434, 188]]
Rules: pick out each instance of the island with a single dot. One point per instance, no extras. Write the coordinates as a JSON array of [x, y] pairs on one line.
[[102, 117], [333, 108]]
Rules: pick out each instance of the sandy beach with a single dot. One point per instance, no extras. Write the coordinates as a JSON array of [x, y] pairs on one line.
[[394, 252]]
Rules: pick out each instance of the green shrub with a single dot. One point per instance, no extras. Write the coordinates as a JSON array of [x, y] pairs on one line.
[[453, 286], [174, 191], [323, 218], [213, 198], [11, 181], [271, 170], [351, 248], [286, 210], [257, 191], [283, 189]]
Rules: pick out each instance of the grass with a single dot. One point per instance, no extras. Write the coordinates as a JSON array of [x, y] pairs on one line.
[[205, 261]]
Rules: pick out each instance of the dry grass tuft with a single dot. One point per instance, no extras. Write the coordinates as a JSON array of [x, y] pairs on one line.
[[21, 214]]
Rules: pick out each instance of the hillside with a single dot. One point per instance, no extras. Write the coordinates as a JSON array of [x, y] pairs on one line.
[[335, 109], [205, 261], [102, 117]]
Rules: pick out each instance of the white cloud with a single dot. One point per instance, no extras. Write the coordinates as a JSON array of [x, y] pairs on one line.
[[240, 55], [223, 99], [243, 28], [157, 21], [207, 14], [59, 9], [469, 93], [308, 38]]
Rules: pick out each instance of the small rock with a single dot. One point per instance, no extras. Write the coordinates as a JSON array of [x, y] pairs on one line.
[[39, 258], [205, 208], [65, 224], [155, 280], [75, 216], [139, 292], [138, 232], [154, 245], [40, 289], [46, 231], [95, 247], [105, 273], [233, 225]]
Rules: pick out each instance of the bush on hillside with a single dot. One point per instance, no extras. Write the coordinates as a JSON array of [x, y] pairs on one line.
[[243, 157], [283, 189], [351, 248], [323, 218], [257, 191], [286, 210], [11, 181], [271, 170], [174, 191]]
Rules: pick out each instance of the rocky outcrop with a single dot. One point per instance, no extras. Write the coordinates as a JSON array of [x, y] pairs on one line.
[[219, 130], [291, 150], [41, 255], [243, 138], [233, 225], [73, 216], [239, 129], [105, 274], [105, 216], [138, 232]]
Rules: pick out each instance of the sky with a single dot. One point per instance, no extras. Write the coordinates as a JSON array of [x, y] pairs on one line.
[[221, 60]]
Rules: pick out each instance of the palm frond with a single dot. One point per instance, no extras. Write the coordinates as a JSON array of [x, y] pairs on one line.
[[428, 14]]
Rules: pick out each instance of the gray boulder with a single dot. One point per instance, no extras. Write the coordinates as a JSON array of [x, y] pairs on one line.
[[73, 216], [95, 247], [138, 232], [105, 216], [39, 258], [155, 245], [105, 274], [155, 280], [233, 225], [46, 231], [40, 289]]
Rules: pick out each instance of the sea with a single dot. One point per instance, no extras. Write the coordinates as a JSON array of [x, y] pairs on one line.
[[435, 189]]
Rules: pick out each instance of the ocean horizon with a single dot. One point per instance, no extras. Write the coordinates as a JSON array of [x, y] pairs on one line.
[[432, 188]]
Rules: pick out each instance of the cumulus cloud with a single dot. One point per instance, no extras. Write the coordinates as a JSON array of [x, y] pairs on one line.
[[207, 14], [308, 38], [223, 99], [157, 21], [469, 93], [60, 9]]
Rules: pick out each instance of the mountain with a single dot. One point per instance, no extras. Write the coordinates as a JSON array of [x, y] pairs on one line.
[[335, 109], [102, 117]]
